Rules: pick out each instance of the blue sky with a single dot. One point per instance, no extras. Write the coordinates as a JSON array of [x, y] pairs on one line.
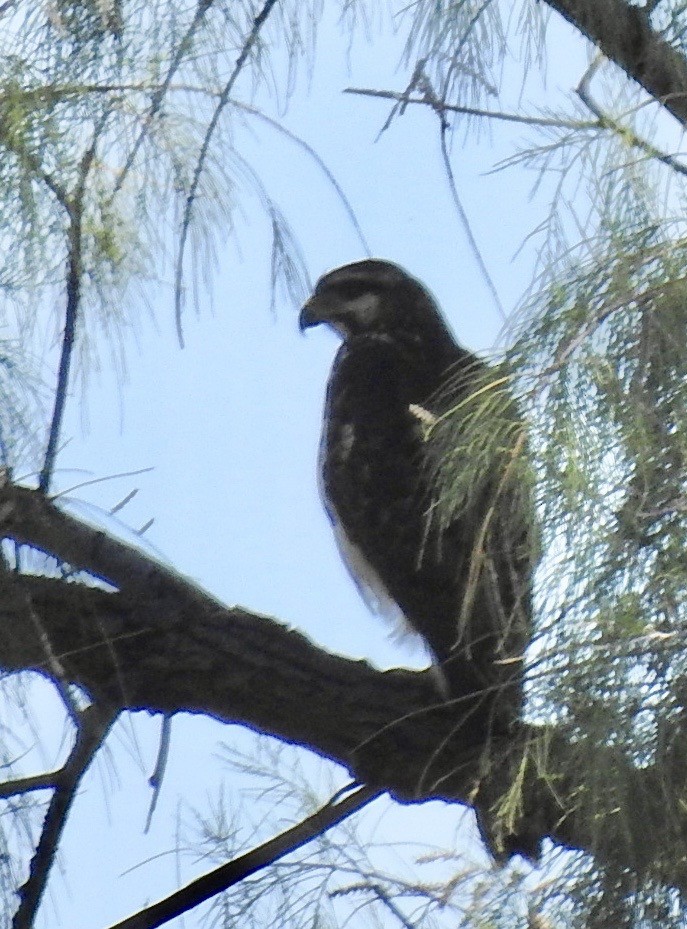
[[230, 428]]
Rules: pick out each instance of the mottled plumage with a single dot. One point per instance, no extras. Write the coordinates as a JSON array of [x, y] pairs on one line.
[[375, 478]]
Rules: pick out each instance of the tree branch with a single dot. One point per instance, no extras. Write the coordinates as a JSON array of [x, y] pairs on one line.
[[75, 209], [93, 729], [602, 123], [498, 115], [624, 34], [607, 122], [24, 785], [233, 872], [165, 646], [224, 99]]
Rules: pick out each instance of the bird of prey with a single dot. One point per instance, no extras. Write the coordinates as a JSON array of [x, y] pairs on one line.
[[462, 583]]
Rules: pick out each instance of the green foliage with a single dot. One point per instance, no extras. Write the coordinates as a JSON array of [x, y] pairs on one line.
[[352, 872], [482, 426], [609, 392], [113, 148], [609, 419], [462, 46], [598, 365], [128, 83]]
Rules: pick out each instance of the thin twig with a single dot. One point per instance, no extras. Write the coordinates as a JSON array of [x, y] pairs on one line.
[[224, 99], [155, 779], [94, 727], [602, 122], [24, 785], [102, 480], [474, 111], [301, 143], [124, 501], [423, 83], [35, 167], [486, 276], [382, 895], [80, 90], [233, 872], [605, 121], [74, 208], [57, 190], [60, 91], [159, 95]]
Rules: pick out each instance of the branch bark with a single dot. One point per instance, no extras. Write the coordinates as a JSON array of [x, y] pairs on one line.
[[94, 727], [160, 644], [624, 34]]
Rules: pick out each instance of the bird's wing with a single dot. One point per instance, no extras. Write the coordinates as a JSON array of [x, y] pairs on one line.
[[370, 475]]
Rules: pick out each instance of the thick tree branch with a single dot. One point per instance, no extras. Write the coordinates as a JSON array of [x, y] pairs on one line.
[[623, 33], [29, 518], [167, 647]]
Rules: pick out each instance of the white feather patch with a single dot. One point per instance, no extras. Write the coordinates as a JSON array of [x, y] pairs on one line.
[[424, 416]]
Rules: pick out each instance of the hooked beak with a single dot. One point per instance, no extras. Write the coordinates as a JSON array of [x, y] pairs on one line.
[[308, 316]]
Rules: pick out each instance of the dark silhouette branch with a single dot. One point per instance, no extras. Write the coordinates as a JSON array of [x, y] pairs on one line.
[[75, 209], [162, 645], [68, 337], [24, 785], [233, 872], [29, 518], [602, 123], [74, 271], [94, 726], [624, 34]]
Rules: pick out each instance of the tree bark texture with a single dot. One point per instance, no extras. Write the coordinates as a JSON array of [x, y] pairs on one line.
[[158, 643], [624, 34]]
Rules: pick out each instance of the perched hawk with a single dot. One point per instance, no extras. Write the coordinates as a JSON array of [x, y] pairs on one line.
[[462, 584]]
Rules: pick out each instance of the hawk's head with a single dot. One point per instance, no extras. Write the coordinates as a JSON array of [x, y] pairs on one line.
[[375, 297]]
